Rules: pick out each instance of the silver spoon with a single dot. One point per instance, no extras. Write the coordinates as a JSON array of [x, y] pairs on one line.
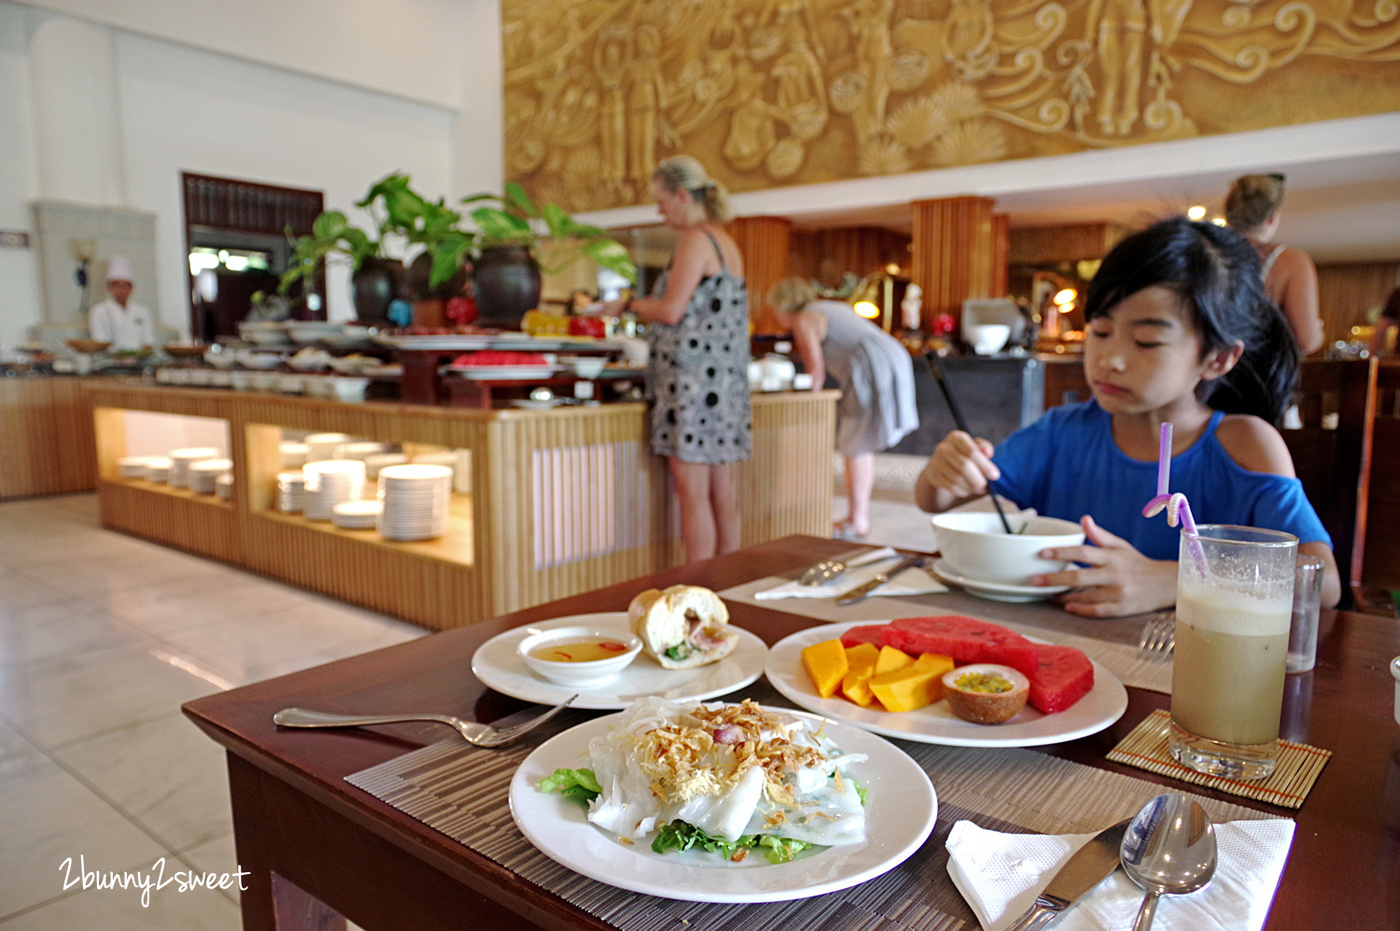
[[824, 571], [1168, 849]]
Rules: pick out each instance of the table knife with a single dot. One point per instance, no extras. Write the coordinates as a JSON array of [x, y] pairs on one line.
[[1090, 865], [860, 591]]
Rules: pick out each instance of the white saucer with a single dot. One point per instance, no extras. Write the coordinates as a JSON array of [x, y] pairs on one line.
[[995, 591]]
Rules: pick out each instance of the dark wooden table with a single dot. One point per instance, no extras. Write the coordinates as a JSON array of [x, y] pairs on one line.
[[317, 848]]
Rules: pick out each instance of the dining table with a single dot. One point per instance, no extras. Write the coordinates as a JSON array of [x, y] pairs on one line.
[[318, 849]]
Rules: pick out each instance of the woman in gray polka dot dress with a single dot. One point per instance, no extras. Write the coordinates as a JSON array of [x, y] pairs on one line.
[[697, 376]]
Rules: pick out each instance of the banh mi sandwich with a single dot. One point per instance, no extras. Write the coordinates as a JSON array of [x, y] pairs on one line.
[[683, 626]]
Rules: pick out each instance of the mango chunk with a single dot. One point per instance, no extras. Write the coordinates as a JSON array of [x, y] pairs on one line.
[[826, 665], [908, 688], [891, 659], [939, 664], [860, 662]]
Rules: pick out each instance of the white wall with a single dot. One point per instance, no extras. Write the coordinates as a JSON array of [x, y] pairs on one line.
[[188, 110], [20, 306], [407, 48]]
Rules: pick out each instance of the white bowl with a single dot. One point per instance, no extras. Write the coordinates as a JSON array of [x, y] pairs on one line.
[[585, 366], [580, 674], [264, 332], [976, 545], [349, 390], [258, 360], [987, 338]]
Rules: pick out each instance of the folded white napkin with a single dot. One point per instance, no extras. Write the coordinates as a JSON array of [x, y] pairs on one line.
[[1000, 876], [859, 570]]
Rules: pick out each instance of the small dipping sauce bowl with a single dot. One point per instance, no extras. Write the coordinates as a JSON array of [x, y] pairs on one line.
[[579, 656]]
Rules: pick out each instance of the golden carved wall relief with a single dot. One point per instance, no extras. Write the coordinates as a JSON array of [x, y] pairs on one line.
[[775, 92]]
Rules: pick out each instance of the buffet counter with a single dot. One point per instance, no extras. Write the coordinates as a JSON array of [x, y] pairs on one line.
[[550, 503], [45, 436]]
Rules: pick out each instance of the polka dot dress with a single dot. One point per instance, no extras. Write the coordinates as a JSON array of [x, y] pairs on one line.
[[697, 375]]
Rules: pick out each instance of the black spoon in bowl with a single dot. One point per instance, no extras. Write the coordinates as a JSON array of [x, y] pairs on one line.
[[937, 370]]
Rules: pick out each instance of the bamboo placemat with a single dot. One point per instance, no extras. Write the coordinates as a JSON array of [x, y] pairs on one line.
[[463, 793], [1298, 767]]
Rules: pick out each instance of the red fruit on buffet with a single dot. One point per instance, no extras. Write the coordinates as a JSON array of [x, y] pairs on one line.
[[588, 326], [500, 357]]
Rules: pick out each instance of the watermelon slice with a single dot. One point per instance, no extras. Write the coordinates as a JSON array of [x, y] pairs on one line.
[[865, 633], [1064, 675], [965, 639]]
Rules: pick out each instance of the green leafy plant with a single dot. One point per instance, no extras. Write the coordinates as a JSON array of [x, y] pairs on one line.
[[515, 219], [331, 234], [432, 224]]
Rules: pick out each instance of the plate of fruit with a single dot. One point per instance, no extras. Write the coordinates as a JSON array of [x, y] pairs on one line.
[[952, 680]]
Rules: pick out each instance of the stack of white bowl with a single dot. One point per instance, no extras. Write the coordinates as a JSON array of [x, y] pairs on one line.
[[291, 492], [223, 486], [158, 469], [356, 515], [133, 466], [415, 499], [329, 482], [379, 460], [361, 449], [293, 455], [203, 473], [180, 460], [323, 446]]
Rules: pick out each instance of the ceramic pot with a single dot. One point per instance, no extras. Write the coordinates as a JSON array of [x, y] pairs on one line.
[[420, 272], [376, 283], [507, 282]]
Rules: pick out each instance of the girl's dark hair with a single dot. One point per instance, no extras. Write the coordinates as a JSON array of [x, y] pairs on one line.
[[1216, 273]]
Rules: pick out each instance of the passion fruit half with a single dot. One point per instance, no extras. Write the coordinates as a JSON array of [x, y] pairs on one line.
[[986, 693]]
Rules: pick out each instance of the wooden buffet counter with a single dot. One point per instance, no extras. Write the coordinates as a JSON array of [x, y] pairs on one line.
[[45, 437], [554, 502]]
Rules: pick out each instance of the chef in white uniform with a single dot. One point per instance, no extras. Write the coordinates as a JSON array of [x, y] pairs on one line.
[[118, 320]]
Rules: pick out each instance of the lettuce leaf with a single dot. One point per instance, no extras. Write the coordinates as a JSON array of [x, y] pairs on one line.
[[578, 784], [680, 836]]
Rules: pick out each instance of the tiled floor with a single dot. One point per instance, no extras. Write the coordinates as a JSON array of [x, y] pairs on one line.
[[102, 637]]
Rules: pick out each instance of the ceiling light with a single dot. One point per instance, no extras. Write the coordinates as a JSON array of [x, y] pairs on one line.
[[1065, 298], [1195, 212], [867, 310], [1219, 221]]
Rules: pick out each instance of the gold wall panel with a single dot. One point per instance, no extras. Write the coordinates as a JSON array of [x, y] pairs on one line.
[[775, 92]]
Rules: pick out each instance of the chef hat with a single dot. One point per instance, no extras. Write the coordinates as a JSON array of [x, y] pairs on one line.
[[119, 268]]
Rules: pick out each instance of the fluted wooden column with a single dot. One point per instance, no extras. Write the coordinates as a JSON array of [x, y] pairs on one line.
[[954, 253], [763, 241], [1001, 253]]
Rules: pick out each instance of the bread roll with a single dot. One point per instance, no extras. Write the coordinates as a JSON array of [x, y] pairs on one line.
[[683, 626]]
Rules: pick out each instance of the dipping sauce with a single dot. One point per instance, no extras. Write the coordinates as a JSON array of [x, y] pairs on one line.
[[579, 651]]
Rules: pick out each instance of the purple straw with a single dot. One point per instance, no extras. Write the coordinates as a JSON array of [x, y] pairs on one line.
[[1198, 553], [1164, 459]]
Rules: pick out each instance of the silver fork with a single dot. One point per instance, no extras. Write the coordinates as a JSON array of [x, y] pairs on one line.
[[1158, 638], [480, 735]]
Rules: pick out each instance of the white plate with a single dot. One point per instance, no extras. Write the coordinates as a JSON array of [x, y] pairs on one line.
[[935, 724], [534, 404], [498, 665], [503, 372], [900, 814], [995, 591]]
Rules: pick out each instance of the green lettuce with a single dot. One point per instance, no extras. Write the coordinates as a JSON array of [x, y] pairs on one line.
[[580, 784]]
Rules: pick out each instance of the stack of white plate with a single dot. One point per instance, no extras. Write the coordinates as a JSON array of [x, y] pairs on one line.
[[201, 474], [330, 482], [158, 469], [223, 486], [293, 455], [379, 460], [291, 492], [356, 515], [361, 449], [415, 499], [133, 466], [323, 446], [181, 459]]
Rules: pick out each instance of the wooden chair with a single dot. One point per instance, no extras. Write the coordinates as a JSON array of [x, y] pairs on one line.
[[1332, 454], [1383, 510]]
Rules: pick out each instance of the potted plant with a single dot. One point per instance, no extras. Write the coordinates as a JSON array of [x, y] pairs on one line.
[[513, 249], [376, 279]]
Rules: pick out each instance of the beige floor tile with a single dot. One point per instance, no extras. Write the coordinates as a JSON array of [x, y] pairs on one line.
[[48, 816], [164, 774], [58, 629], [59, 701], [216, 856], [13, 744]]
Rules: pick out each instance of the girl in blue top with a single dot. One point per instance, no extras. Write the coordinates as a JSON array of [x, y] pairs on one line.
[[1180, 330]]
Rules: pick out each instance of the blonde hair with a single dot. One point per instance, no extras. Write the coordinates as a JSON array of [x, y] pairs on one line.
[[791, 294], [683, 173], [1252, 199]]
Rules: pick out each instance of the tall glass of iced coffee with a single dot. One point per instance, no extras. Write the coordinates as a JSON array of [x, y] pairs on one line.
[[1234, 602]]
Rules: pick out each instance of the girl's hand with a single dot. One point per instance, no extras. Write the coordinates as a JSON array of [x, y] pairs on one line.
[[1119, 580], [959, 468]]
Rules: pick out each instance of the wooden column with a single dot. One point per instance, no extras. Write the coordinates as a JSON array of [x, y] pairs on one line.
[[763, 241], [1001, 253], [954, 252]]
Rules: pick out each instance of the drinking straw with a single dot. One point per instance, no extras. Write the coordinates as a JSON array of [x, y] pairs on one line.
[[1178, 508], [936, 369]]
